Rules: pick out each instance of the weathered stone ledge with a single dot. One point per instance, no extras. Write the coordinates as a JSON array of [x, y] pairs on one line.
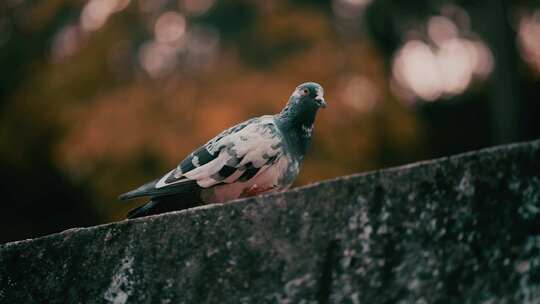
[[463, 229]]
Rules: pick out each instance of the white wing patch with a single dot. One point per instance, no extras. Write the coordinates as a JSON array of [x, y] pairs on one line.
[[255, 143], [161, 183], [208, 169]]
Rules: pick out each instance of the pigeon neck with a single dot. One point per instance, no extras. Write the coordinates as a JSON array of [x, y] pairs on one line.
[[298, 125], [298, 119]]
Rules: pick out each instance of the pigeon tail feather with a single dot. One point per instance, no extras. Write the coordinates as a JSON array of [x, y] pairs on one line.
[[141, 191], [141, 210], [162, 204], [150, 189]]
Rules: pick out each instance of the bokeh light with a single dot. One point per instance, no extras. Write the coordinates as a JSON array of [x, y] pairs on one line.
[[158, 59], [170, 27], [443, 65], [96, 12], [359, 92], [441, 29], [529, 38]]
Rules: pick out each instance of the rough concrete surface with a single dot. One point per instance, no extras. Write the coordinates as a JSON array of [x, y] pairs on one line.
[[463, 229]]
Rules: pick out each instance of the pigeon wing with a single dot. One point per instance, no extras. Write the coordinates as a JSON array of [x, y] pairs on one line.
[[235, 155], [241, 155]]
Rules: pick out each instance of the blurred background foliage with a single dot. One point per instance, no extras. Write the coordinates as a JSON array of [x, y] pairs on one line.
[[99, 96]]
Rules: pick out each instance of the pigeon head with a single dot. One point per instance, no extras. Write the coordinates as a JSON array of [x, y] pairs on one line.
[[303, 105], [309, 95]]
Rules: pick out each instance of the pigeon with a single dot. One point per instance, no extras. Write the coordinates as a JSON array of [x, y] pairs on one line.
[[260, 155]]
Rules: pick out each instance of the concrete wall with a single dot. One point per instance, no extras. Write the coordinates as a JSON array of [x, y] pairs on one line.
[[463, 229]]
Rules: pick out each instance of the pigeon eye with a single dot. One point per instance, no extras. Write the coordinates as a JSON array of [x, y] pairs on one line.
[[305, 92]]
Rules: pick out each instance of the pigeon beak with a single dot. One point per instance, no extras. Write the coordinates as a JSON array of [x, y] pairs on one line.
[[321, 102], [320, 99]]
